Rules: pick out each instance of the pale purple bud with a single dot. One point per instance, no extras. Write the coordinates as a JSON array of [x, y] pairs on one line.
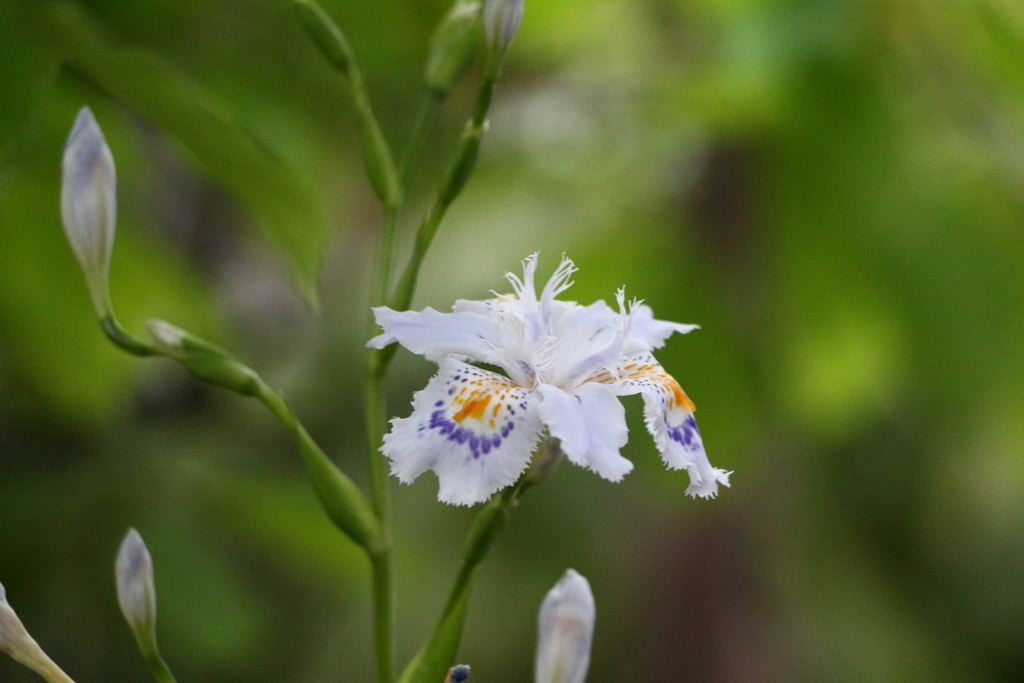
[[16, 642], [88, 204], [501, 23], [565, 630], [12, 632], [136, 592]]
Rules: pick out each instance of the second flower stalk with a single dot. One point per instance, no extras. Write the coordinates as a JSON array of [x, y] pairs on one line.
[[89, 212]]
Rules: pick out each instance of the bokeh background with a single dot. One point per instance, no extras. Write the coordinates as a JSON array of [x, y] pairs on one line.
[[832, 189]]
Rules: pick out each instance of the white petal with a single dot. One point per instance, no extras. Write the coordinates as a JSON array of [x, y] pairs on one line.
[[436, 335], [475, 429], [485, 307], [669, 415], [591, 424], [646, 333], [587, 342]]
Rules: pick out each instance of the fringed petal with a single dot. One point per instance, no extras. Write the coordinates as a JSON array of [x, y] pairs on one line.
[[475, 429], [647, 333], [669, 415]]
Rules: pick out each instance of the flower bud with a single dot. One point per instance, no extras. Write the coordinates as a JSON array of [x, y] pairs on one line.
[[501, 23], [206, 361], [549, 456], [452, 46], [565, 630], [16, 642], [458, 674], [12, 632], [326, 34], [88, 205], [136, 593]]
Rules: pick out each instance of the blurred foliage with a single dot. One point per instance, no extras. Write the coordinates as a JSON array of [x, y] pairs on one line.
[[833, 189]]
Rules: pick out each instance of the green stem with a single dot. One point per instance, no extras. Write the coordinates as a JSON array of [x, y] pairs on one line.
[[340, 497], [459, 170], [382, 563], [381, 558], [380, 165], [433, 660], [486, 527], [376, 414], [419, 130], [123, 339], [375, 409], [375, 406], [378, 545], [157, 666], [29, 654]]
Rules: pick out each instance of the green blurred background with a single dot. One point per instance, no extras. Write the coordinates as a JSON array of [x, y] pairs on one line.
[[832, 189]]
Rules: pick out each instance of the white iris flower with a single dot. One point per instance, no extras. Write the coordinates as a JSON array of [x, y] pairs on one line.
[[566, 366]]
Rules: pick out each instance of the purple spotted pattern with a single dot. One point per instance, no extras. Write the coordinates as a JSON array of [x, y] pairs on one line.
[[686, 434], [480, 434]]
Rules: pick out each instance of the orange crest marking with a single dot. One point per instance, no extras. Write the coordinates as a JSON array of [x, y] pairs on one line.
[[652, 373], [474, 407], [678, 395]]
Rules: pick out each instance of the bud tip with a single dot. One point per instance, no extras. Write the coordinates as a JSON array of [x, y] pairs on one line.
[[167, 335], [135, 591], [501, 22]]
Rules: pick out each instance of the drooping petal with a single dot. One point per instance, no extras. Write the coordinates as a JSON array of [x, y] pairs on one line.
[[433, 334], [669, 415], [475, 429], [591, 424]]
